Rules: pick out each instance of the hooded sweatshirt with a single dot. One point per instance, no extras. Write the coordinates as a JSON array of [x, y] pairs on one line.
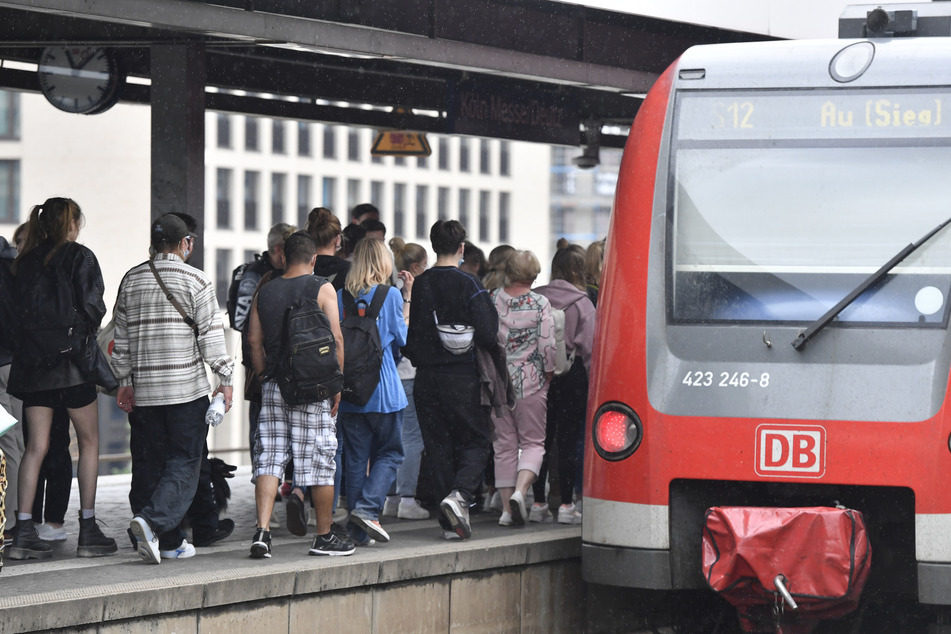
[[579, 317]]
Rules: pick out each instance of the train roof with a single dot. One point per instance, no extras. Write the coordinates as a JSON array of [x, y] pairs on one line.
[[893, 62]]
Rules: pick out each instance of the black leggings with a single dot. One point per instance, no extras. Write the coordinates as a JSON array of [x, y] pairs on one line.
[[567, 405]]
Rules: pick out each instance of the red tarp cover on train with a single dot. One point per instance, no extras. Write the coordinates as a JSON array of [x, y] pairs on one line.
[[823, 552]]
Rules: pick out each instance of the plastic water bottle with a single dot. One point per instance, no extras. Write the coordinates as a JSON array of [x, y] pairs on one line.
[[216, 410]]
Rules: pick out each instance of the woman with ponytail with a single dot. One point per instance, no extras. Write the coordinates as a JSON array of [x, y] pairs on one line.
[[58, 304]]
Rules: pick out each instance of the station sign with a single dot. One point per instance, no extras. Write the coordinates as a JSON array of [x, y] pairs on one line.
[[515, 111], [400, 143]]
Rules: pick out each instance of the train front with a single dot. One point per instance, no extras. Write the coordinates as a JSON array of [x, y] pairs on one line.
[[773, 323]]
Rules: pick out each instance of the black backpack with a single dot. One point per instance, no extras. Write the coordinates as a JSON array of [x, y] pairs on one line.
[[49, 328], [362, 350], [307, 370]]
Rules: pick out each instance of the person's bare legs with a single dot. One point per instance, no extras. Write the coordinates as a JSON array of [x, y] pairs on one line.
[[323, 499], [265, 490], [40, 420], [86, 423]]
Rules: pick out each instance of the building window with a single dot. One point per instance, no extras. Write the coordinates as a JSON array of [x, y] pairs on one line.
[[9, 191], [504, 217], [464, 208], [249, 255], [442, 203], [504, 158], [353, 144], [484, 157], [9, 115], [251, 134], [278, 196], [303, 138], [484, 216], [353, 192], [422, 162], [222, 275], [399, 209], [329, 193], [376, 194], [303, 199], [277, 136], [330, 142], [252, 182], [443, 153], [463, 155], [399, 160], [224, 131], [376, 160], [422, 215], [223, 197]]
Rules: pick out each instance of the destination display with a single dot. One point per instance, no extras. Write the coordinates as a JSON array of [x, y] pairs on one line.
[[814, 115]]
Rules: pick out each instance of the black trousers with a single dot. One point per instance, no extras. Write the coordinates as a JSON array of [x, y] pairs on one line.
[[567, 405], [456, 429], [167, 445]]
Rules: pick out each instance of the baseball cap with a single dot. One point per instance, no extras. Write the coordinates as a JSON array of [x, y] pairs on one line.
[[168, 229]]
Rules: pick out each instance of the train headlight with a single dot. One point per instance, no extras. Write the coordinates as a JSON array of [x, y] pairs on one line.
[[616, 431]]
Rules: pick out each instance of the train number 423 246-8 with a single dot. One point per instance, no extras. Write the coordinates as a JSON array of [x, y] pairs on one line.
[[699, 378]]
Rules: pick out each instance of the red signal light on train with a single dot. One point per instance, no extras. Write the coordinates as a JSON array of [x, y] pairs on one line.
[[617, 431]]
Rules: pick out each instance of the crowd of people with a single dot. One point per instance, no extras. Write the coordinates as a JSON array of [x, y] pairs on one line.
[[449, 388]]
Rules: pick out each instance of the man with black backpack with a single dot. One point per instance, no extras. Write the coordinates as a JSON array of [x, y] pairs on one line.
[[297, 351]]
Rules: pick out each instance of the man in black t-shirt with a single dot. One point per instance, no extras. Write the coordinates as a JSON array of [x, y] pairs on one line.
[[309, 430]]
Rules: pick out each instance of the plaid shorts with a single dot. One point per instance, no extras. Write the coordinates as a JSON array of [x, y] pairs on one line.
[[306, 432]]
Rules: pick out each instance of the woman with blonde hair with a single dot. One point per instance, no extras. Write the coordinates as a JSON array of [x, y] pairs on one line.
[[58, 364], [372, 431], [410, 259], [526, 332]]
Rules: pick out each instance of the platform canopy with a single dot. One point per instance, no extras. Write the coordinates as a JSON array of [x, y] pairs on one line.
[[531, 70]]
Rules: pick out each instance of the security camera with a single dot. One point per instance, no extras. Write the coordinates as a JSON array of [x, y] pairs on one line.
[[588, 160]]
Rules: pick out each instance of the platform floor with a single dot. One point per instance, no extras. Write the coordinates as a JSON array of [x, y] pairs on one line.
[[37, 585]]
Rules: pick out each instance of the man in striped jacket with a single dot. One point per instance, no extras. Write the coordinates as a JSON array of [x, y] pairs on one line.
[[163, 339]]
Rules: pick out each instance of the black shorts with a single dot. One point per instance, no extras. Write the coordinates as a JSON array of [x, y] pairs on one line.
[[70, 397]]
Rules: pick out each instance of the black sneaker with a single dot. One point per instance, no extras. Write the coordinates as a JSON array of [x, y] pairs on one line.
[[296, 515], [225, 528], [330, 544], [261, 544]]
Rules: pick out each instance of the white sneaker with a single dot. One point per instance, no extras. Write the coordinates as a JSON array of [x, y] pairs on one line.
[[568, 514], [146, 540], [391, 506], [450, 536], [495, 502], [540, 514], [274, 523], [49, 534], [184, 551], [409, 509], [517, 504], [506, 519]]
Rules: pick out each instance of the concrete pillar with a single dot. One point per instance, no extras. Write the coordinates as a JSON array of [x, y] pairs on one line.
[[178, 134]]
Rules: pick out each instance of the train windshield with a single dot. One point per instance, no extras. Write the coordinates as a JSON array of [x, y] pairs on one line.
[[782, 202]]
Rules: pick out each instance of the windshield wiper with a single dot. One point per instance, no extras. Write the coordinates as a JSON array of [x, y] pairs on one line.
[[806, 335]]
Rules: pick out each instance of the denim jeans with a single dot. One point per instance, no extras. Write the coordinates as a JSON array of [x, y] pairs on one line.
[[372, 438], [408, 473], [166, 444]]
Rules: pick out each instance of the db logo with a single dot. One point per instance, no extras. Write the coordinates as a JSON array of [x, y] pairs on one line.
[[790, 451]]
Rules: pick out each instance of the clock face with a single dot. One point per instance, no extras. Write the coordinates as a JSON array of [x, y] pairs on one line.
[[79, 79]]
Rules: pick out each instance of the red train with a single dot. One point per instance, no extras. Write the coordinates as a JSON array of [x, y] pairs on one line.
[[774, 313]]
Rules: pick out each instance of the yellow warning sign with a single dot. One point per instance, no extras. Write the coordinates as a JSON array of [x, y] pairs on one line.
[[399, 143]]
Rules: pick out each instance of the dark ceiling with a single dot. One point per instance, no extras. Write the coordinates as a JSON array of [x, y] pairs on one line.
[[382, 63]]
